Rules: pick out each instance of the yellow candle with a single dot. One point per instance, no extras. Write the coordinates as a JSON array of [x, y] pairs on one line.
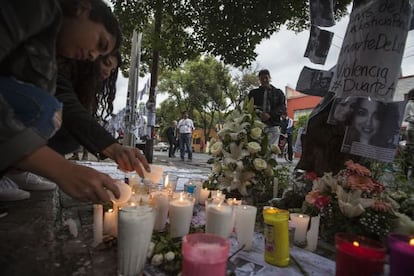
[[276, 234]]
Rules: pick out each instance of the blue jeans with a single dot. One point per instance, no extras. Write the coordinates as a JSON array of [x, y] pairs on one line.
[[185, 144], [32, 106]]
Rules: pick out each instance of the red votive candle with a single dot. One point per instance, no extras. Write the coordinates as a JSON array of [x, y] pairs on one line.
[[401, 254], [358, 255]]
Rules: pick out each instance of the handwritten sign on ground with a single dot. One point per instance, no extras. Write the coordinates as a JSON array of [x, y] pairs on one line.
[[370, 58]]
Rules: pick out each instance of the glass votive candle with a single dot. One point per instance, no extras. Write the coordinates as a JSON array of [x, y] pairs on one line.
[[358, 255], [401, 254]]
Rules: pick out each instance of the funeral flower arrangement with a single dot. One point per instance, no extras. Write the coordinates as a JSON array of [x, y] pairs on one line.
[[352, 201], [242, 157]]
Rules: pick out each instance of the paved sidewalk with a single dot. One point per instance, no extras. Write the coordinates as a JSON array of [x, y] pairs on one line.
[[35, 238]]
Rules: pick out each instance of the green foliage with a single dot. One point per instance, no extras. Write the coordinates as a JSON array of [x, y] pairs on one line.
[[301, 122], [228, 29]]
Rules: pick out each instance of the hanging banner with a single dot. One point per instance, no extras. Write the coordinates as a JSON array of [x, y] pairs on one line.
[[371, 54], [318, 45], [321, 13], [314, 82]]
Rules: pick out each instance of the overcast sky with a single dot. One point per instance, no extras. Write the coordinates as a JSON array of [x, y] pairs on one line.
[[282, 54]]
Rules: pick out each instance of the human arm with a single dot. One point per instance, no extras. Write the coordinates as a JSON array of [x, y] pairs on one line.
[[80, 182], [78, 121]]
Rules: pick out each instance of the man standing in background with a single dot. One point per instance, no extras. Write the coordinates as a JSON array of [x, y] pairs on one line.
[[271, 101], [185, 127], [172, 138]]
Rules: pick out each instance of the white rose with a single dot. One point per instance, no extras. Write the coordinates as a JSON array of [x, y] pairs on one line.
[[253, 147], [157, 259], [275, 149], [256, 133], [150, 249], [259, 164], [258, 124], [216, 148], [169, 256]]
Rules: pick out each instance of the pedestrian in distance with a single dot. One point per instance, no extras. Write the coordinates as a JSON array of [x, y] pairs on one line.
[[172, 138], [185, 128]]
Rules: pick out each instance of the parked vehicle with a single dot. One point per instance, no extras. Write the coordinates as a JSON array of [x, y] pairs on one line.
[[161, 146]]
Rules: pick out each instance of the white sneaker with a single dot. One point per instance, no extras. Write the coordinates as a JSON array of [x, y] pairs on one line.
[[9, 191], [30, 181]]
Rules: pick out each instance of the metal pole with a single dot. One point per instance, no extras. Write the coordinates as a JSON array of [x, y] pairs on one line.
[[131, 106]]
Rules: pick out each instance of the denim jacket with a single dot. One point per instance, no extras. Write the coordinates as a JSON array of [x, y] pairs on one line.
[[28, 31]]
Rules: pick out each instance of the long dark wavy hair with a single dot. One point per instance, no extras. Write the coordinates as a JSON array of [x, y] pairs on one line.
[[95, 95], [99, 12]]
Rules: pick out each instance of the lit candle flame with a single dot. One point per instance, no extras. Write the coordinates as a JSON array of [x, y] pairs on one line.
[[411, 242], [355, 243], [132, 204], [301, 216], [110, 211], [166, 181], [181, 196]]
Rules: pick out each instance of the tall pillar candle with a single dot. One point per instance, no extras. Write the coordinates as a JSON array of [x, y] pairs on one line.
[[134, 236], [358, 255], [181, 213], [313, 233], [401, 254], [300, 222], [110, 222], [219, 219], [160, 203], [204, 193], [97, 223], [245, 222], [276, 232]]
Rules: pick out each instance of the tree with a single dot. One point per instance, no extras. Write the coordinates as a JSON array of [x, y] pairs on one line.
[[227, 29], [200, 85]]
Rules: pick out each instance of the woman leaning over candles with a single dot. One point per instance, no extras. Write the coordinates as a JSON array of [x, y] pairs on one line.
[[33, 33]]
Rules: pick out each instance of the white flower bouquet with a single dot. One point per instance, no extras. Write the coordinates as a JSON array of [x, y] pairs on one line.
[[242, 157]]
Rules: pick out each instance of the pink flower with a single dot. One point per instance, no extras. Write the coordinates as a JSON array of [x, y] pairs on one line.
[[382, 206], [322, 201], [360, 182], [357, 168], [312, 196], [317, 199], [310, 176]]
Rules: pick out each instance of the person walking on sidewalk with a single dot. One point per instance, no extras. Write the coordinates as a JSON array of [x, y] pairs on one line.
[[271, 102], [172, 138], [287, 129], [185, 127]]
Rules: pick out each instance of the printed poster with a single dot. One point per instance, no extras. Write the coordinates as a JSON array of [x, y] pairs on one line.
[[371, 54], [318, 45]]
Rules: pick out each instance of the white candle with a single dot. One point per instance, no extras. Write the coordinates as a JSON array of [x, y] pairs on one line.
[[312, 235], [135, 231], [245, 222], [233, 202], [160, 202], [110, 222], [181, 213], [204, 193], [300, 222], [219, 219], [155, 175], [125, 192], [97, 224]]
